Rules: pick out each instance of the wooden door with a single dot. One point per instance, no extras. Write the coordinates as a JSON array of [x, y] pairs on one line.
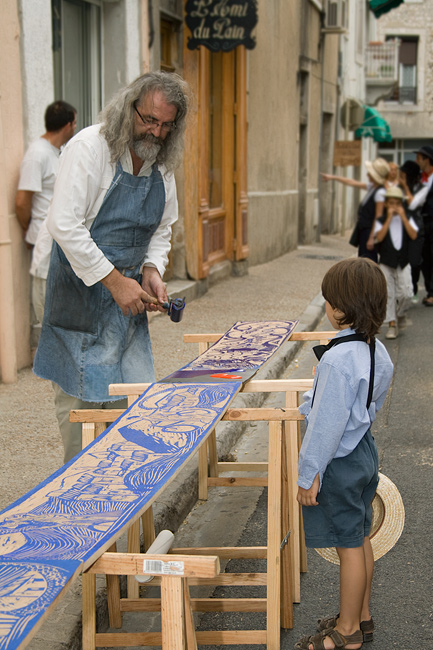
[[216, 211], [219, 230]]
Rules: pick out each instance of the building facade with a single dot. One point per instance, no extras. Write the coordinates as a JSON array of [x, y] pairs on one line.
[[262, 126]]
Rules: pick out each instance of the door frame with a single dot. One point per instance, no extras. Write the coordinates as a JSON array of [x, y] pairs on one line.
[[198, 214]]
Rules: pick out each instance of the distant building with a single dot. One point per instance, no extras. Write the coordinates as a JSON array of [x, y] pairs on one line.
[[409, 110]]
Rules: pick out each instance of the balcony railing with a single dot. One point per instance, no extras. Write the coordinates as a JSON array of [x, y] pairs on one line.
[[381, 61]]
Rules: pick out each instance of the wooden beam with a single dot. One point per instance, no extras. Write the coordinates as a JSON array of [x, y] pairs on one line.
[[132, 564], [197, 604], [263, 414], [232, 481], [251, 386], [235, 466], [273, 591], [127, 639], [88, 587], [286, 603], [223, 580], [231, 579], [172, 613], [232, 637], [190, 638], [127, 389], [95, 415], [277, 385], [226, 552]]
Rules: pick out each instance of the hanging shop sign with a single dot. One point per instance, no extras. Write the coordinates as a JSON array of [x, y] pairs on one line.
[[221, 25], [347, 153]]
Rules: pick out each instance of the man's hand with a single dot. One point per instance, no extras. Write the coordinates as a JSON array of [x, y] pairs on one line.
[[153, 285], [127, 293], [308, 497]]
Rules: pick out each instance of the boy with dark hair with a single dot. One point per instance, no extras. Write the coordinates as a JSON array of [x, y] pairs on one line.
[[338, 462], [393, 232]]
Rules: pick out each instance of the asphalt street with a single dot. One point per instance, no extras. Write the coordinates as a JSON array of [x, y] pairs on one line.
[[402, 589]]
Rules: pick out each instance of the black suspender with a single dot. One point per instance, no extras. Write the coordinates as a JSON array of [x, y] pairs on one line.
[[319, 351]]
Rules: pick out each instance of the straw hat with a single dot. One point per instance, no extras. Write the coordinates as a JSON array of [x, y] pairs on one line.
[[387, 524], [394, 193], [378, 170]]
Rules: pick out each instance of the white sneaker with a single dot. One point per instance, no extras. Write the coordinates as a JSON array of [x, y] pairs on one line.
[[402, 322], [392, 332]]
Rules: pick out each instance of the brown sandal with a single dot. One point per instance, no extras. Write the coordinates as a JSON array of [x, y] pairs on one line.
[[340, 642], [367, 627]]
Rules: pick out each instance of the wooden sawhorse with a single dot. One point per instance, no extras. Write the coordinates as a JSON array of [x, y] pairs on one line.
[[278, 578], [94, 422], [177, 625], [210, 468]]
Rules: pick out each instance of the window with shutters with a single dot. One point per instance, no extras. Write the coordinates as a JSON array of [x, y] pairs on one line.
[[406, 92], [168, 45]]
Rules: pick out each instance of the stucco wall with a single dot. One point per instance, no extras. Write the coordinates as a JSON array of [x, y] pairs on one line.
[[14, 259], [285, 92], [36, 65], [122, 45], [273, 119]]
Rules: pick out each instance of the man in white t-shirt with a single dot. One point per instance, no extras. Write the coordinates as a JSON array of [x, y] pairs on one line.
[[37, 175]]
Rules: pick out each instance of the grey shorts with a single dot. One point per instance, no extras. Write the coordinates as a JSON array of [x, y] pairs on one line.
[[343, 517]]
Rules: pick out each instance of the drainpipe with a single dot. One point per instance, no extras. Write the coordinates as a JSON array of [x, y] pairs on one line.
[[322, 93], [8, 351]]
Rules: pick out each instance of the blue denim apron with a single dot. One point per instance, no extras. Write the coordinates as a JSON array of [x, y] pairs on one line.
[[86, 343]]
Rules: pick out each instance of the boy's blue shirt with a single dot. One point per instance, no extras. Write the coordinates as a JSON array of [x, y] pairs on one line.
[[339, 418]]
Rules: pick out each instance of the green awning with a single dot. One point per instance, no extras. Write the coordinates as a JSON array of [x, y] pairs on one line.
[[374, 126], [379, 7]]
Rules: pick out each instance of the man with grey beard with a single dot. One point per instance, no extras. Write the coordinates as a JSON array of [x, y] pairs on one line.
[[111, 216]]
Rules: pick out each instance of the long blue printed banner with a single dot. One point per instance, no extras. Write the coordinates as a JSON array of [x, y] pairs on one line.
[[62, 526]]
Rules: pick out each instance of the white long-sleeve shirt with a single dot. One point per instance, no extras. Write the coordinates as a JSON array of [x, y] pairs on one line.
[[420, 197], [85, 174]]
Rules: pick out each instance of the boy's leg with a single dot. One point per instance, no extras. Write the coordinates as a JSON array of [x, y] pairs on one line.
[[369, 566], [389, 274], [404, 290], [353, 587]]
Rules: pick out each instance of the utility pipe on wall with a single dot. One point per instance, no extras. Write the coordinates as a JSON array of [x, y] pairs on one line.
[[8, 350]]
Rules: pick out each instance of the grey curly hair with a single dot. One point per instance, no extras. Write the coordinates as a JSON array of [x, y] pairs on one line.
[[118, 117]]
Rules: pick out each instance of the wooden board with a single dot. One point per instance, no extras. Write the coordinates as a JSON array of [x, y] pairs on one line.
[[62, 526]]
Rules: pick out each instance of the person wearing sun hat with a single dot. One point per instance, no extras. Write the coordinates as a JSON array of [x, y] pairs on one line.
[[393, 231], [371, 206]]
